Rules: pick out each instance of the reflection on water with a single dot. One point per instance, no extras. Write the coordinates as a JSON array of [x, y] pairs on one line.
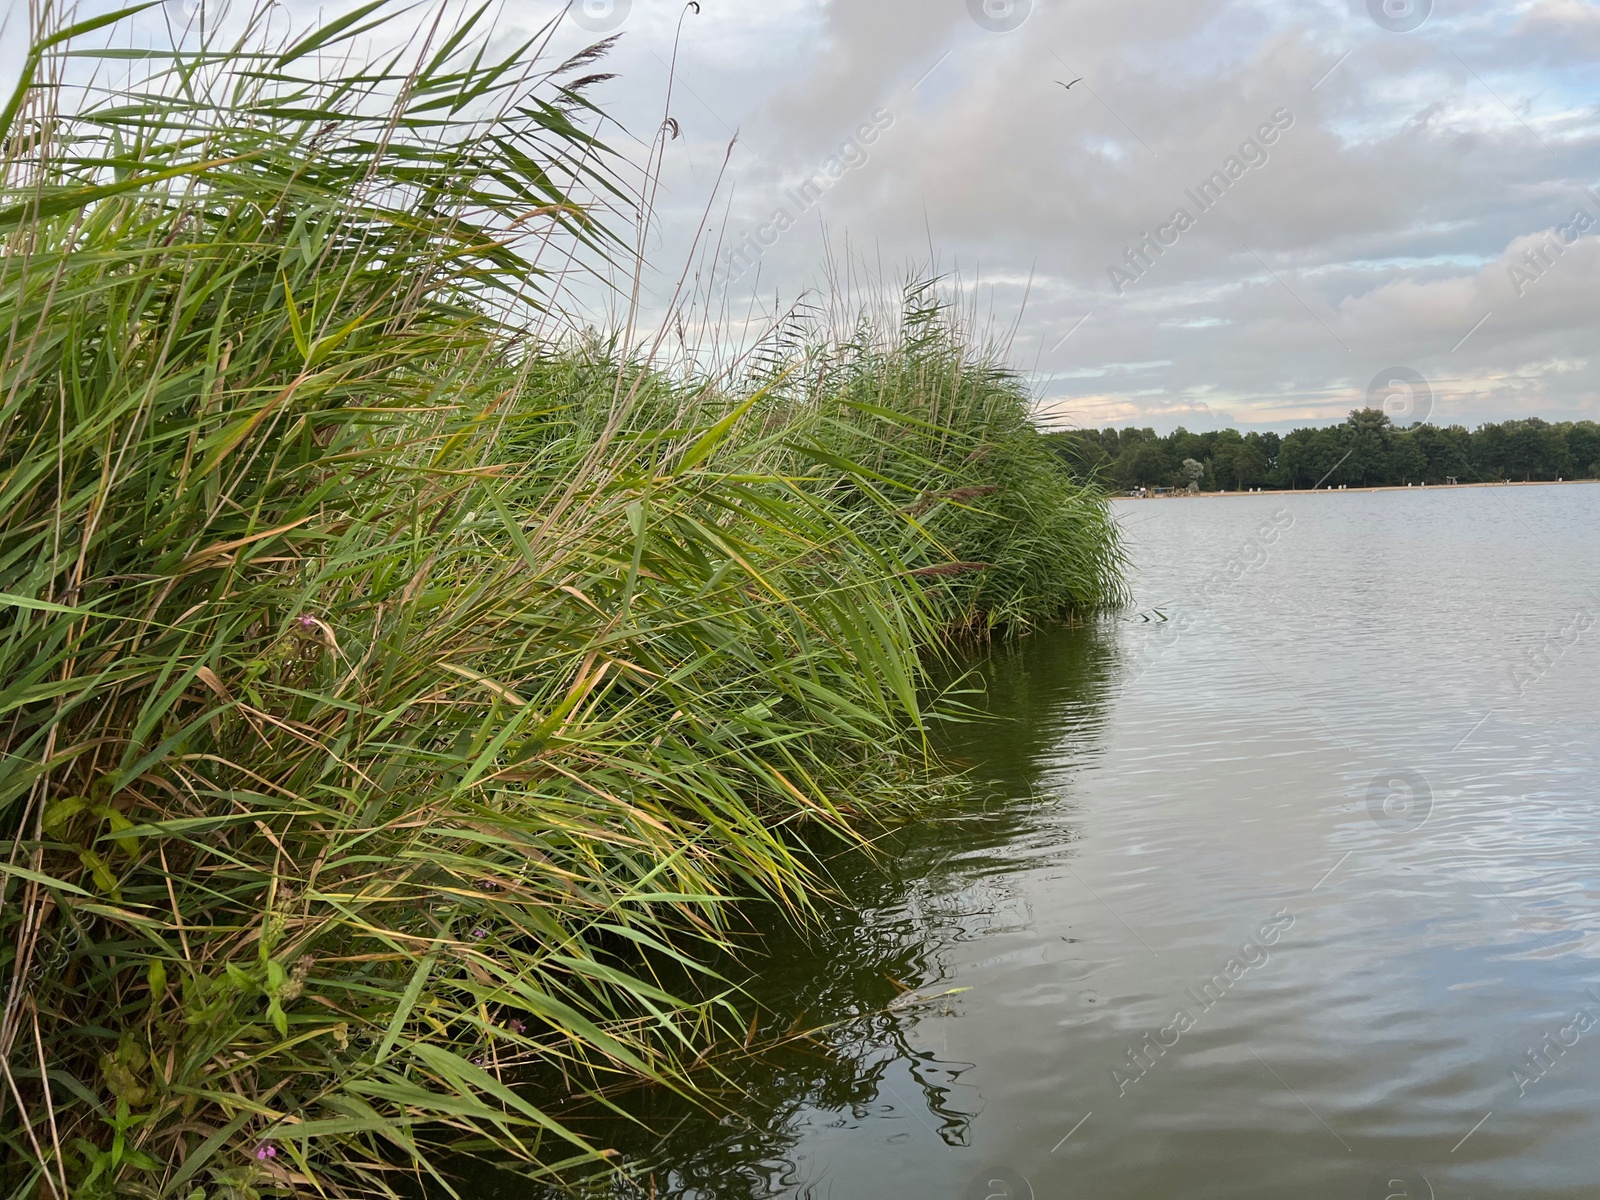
[[1289, 885], [866, 967]]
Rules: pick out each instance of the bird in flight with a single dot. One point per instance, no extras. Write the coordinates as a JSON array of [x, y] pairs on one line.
[[1068, 86]]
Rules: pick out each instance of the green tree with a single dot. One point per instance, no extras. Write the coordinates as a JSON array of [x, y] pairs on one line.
[[1488, 459], [1363, 449], [1368, 433], [1293, 465], [1225, 444], [1408, 462], [1082, 450], [1182, 444], [1250, 464], [1266, 444], [1583, 449], [1446, 452], [1534, 449], [1143, 465]]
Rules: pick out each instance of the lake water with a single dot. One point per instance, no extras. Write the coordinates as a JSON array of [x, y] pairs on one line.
[[1286, 884]]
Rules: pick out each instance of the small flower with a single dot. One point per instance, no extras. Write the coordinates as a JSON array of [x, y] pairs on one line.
[[488, 885], [480, 933], [516, 1026], [265, 1151], [308, 623]]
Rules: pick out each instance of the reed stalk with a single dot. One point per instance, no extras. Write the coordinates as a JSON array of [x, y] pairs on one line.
[[392, 702]]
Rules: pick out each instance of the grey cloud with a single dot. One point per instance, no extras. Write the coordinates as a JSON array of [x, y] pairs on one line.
[[1376, 229]]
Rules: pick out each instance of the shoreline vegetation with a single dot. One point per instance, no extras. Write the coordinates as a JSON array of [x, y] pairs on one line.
[[1365, 450], [1179, 494], [403, 700]]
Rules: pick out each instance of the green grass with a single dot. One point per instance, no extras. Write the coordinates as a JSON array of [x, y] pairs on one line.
[[937, 453], [392, 704]]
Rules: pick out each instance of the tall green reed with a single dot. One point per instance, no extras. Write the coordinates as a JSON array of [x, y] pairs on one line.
[[392, 705], [928, 436]]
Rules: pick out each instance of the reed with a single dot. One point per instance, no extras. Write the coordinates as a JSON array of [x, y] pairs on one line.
[[392, 702], [952, 477]]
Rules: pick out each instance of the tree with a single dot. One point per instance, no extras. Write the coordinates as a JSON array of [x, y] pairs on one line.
[[1534, 449], [1143, 465], [1266, 444], [1446, 452], [1489, 452], [1250, 464], [1325, 458], [1368, 433], [1225, 444], [1193, 471], [1182, 444], [1365, 448], [1583, 449], [1293, 452], [1408, 463], [1082, 450]]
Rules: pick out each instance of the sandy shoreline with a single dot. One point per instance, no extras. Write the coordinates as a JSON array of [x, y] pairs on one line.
[[1328, 491]]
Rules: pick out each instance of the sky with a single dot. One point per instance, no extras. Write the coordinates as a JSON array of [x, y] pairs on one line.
[[1423, 209], [1239, 213]]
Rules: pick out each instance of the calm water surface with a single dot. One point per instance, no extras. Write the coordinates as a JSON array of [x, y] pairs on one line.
[[1287, 884]]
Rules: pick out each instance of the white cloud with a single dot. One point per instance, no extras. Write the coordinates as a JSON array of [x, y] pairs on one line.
[[1419, 169]]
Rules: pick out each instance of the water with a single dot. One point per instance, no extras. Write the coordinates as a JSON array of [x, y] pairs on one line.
[[1286, 885]]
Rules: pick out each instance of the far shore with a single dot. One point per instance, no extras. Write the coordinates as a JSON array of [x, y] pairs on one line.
[[1418, 487]]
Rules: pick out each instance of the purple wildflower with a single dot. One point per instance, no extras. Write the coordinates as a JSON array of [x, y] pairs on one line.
[[265, 1151], [516, 1026], [480, 933]]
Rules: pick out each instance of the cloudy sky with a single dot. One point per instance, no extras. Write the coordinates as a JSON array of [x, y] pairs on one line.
[[1392, 184], [1424, 202]]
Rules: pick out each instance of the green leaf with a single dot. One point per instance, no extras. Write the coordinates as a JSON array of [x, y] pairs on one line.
[[328, 33], [713, 437], [103, 878], [295, 326], [204, 1153], [61, 811], [36, 52], [402, 1010], [54, 203], [141, 1160], [43, 605], [44, 880], [156, 977], [279, 1019]]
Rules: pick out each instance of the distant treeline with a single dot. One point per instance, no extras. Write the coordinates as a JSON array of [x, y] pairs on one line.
[[1366, 450]]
